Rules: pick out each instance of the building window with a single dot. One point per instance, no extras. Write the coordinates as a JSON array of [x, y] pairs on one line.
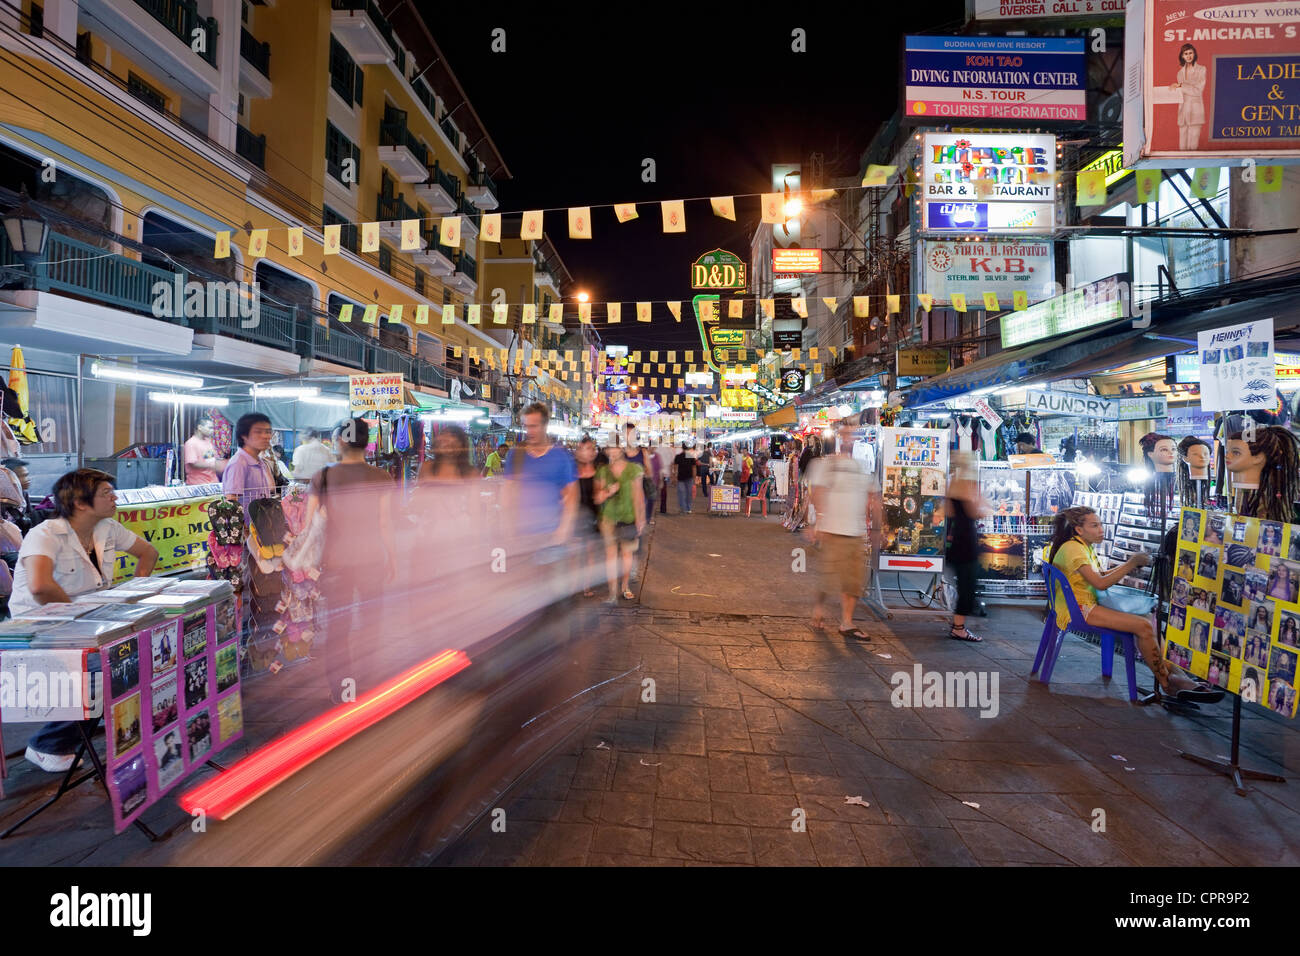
[[419, 282], [386, 259], [345, 73], [446, 296], [37, 21], [453, 364], [146, 93], [338, 148], [241, 104], [347, 235]]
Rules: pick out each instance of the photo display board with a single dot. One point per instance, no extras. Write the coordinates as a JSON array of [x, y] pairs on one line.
[[914, 480], [173, 700], [1234, 617]]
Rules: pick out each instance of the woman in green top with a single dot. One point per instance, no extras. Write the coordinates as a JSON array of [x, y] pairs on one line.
[[622, 517]]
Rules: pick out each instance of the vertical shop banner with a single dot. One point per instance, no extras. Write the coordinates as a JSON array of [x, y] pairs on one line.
[[1236, 367], [914, 477], [179, 530], [1234, 619], [173, 702], [1018, 78], [1219, 80], [974, 268], [375, 393], [978, 182]]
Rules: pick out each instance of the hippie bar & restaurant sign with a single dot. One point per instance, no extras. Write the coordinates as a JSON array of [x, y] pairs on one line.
[[988, 182]]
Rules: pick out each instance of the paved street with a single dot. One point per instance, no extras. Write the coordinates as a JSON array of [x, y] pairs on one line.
[[756, 716]]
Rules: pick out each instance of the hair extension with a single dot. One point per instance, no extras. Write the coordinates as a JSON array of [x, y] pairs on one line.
[[1191, 492], [1279, 479], [1065, 526]]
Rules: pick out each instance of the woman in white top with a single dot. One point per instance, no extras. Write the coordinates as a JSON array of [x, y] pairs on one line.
[[1191, 112]]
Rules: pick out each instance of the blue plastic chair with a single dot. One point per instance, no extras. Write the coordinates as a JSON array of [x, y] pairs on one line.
[[1049, 647]]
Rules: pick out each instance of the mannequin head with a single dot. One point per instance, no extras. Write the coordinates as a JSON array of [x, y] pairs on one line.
[[1269, 467], [1159, 452], [203, 428], [1195, 454]]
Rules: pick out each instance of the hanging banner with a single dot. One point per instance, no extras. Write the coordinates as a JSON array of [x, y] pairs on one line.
[[1018, 78], [914, 476], [1236, 367], [1234, 619], [1046, 403], [375, 393], [974, 268], [1219, 80], [981, 182]]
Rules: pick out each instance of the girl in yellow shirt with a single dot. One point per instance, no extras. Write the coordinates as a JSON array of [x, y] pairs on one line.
[[1076, 533]]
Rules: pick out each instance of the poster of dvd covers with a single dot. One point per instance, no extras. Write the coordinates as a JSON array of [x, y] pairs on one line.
[[174, 701], [1234, 614], [914, 477]]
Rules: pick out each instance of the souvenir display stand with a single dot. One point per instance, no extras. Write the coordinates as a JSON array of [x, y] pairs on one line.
[[1025, 502]]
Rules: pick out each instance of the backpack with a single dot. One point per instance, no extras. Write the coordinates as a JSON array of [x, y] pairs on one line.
[[402, 433]]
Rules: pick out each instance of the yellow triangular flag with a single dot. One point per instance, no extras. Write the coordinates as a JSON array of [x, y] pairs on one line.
[[674, 214], [1268, 179], [456, 351], [724, 206], [370, 237], [927, 301], [735, 308], [395, 315], [878, 175], [1019, 300], [800, 306], [222, 250], [817, 368], [333, 239], [861, 306], [530, 314], [473, 353], [295, 241], [642, 315], [257, 244], [530, 226], [556, 316], [448, 314], [768, 306], [499, 314], [473, 314], [422, 314], [796, 353], [491, 227], [345, 312], [613, 312], [892, 303], [831, 303], [677, 370], [1090, 187], [676, 309], [773, 207], [990, 301], [625, 211], [959, 301], [584, 313], [654, 357], [580, 222], [1205, 182], [371, 315], [410, 234], [690, 356], [449, 232], [1148, 185], [821, 195], [661, 368]]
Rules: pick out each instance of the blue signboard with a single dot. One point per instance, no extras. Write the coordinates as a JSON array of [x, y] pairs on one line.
[[1252, 96], [959, 215]]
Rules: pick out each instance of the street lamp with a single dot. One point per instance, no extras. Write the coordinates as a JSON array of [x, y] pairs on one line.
[[27, 232], [583, 297]]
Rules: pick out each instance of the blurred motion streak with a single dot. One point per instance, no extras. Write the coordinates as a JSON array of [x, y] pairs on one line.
[[231, 791]]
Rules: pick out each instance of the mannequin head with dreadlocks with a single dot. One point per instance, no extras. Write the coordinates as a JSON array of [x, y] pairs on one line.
[[1268, 469], [1159, 453], [1194, 455]]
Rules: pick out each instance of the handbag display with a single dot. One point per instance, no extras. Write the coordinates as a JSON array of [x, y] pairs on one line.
[[1120, 597]]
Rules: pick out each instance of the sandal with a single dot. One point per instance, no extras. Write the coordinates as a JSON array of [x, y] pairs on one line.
[[589, 593], [817, 624], [629, 596], [854, 633], [964, 635]]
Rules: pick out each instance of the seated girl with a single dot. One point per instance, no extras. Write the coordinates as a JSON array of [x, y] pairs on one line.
[[1076, 533]]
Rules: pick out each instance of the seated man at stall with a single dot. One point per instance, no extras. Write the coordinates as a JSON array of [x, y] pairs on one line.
[[1076, 533], [68, 555]]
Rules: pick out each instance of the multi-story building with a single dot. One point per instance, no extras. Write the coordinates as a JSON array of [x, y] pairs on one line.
[[143, 128]]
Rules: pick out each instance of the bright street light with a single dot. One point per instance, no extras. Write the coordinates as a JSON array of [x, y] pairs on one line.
[[793, 208], [583, 297]]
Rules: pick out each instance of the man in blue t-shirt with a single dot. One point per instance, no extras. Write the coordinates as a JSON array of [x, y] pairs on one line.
[[543, 481]]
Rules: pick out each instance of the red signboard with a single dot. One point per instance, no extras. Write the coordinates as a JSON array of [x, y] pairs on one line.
[[796, 260]]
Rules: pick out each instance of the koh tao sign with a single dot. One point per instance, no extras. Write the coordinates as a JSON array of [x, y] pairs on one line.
[[718, 269], [982, 182], [1016, 78]]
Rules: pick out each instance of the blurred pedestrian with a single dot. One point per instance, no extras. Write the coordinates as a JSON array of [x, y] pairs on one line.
[[310, 456], [542, 488], [845, 498], [964, 506], [685, 466], [588, 525], [621, 497], [495, 463]]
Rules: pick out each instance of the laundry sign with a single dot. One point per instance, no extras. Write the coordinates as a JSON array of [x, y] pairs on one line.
[[1046, 403]]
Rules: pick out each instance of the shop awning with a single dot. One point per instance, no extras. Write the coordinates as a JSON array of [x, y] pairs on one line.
[[782, 416]]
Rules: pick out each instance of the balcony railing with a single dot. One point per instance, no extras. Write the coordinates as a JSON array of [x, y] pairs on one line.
[[449, 128], [393, 208], [469, 210], [481, 178], [383, 26], [446, 180], [465, 263], [181, 18], [381, 359], [395, 134], [252, 148], [429, 375], [344, 348], [258, 54], [81, 269]]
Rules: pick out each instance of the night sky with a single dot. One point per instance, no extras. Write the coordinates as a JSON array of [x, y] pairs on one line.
[[713, 94]]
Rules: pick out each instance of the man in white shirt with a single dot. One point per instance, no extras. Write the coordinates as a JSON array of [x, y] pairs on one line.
[[66, 556], [845, 498], [310, 457]]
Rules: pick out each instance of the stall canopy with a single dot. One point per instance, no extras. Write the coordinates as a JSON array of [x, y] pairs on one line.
[[782, 416]]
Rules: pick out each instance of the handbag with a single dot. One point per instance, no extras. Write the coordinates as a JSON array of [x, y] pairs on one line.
[[1120, 597]]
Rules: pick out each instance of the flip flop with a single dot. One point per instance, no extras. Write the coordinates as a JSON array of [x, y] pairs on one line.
[[629, 596], [854, 633], [969, 638]]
